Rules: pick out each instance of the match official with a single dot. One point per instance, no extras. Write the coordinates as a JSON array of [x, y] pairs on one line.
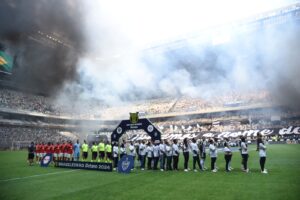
[[31, 149]]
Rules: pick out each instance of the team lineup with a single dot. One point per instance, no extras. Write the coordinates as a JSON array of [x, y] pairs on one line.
[[162, 156]]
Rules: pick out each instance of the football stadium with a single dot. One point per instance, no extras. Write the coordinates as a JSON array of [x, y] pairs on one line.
[[152, 99]]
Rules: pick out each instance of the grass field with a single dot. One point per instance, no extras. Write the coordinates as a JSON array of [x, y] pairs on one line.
[[20, 181]]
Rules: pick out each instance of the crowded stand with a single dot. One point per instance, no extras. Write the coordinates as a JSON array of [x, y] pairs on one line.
[[16, 100], [23, 130], [232, 99], [20, 137], [92, 109], [17, 130], [182, 126]]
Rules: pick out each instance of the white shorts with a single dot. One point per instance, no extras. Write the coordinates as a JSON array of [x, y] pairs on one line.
[[55, 155], [61, 155], [38, 155], [67, 155]]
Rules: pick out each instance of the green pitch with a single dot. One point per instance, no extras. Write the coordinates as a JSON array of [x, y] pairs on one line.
[[20, 181]]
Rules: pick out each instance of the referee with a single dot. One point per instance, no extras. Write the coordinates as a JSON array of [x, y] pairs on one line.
[[31, 153]]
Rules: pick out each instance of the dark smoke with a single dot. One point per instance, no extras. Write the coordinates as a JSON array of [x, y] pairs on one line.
[[41, 64]]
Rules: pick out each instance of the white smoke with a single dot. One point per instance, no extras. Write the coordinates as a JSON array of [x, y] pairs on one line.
[[116, 70]]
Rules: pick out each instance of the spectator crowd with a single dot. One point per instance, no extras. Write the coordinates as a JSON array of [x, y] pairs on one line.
[[93, 108], [19, 137]]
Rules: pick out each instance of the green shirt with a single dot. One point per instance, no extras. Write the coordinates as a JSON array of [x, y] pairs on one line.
[[108, 148], [94, 148], [85, 147], [101, 146]]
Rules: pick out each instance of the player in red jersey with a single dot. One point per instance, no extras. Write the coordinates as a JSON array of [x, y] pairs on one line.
[[65, 150], [56, 152], [52, 148], [70, 151], [61, 153], [48, 148], [42, 150]]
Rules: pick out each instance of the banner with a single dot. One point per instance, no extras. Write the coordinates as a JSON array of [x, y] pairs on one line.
[[291, 130], [140, 124], [106, 167], [125, 164], [46, 160]]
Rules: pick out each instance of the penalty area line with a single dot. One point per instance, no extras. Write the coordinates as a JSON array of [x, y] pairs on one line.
[[37, 175]]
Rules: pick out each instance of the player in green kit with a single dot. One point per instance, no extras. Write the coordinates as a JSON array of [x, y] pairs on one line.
[[94, 150], [85, 149], [101, 148], [108, 149]]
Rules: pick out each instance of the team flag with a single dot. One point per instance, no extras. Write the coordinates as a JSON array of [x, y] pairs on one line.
[[6, 63]]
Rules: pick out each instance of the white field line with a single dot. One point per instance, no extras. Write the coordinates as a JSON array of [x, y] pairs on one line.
[[37, 175]]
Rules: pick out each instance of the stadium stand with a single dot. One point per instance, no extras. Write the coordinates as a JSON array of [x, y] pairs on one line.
[[19, 137], [20, 101]]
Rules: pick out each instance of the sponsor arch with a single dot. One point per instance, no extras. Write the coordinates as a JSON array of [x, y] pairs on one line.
[[136, 124]]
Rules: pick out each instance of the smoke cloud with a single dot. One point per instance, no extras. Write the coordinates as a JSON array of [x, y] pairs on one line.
[[119, 67], [121, 51], [46, 38]]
